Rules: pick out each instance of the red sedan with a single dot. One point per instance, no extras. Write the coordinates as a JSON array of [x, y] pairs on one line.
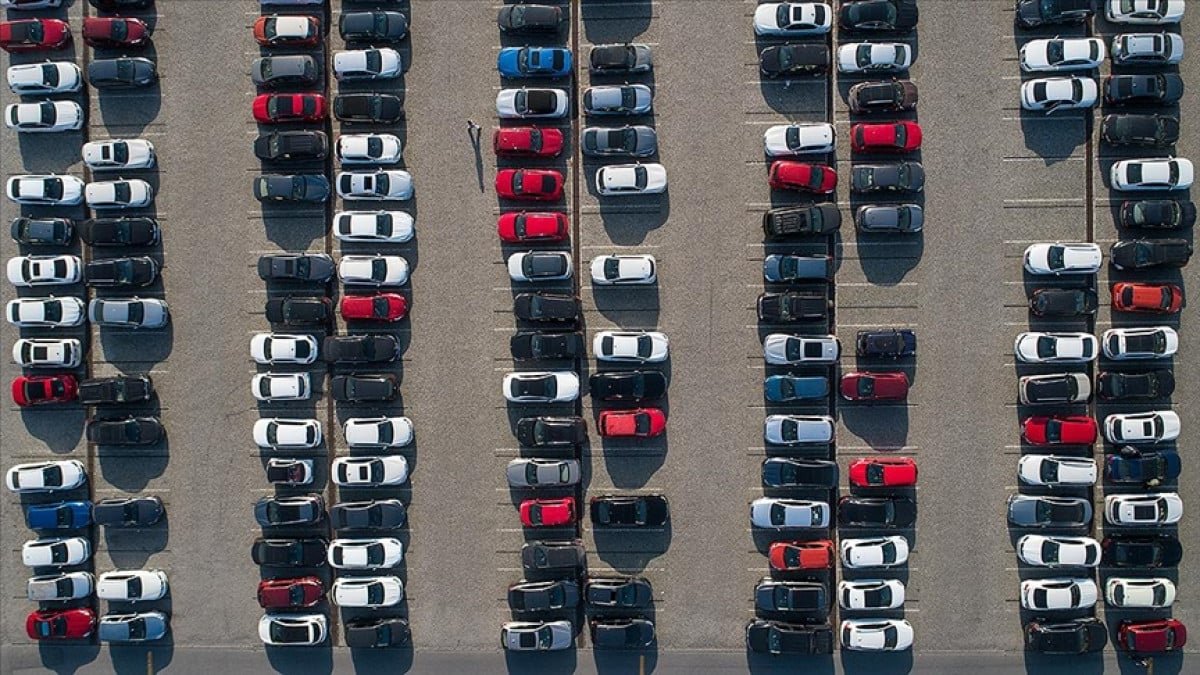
[[291, 30], [1060, 430], [60, 624], [281, 108], [883, 472], [532, 227], [548, 512], [888, 137], [1151, 637], [793, 556], [788, 175], [30, 390], [527, 141], [534, 184], [638, 423], [1152, 298], [115, 31], [378, 307], [290, 593], [889, 386], [28, 35]]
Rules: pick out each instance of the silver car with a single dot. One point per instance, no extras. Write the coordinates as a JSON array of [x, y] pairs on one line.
[[536, 473], [626, 141], [134, 627], [128, 312], [628, 99], [781, 349], [798, 429], [534, 636]]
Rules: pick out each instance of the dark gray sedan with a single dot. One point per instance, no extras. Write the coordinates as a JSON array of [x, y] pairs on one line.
[[617, 633], [378, 514], [626, 141], [291, 188], [295, 267], [618, 592], [543, 596], [890, 218], [897, 177], [1037, 511], [279, 71], [122, 73], [131, 512], [283, 511]]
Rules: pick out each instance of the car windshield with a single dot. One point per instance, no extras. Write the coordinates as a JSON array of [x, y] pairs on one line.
[[121, 192], [1054, 52], [374, 61], [545, 637], [118, 30], [378, 269], [124, 69], [374, 146], [1046, 347], [863, 54], [875, 474], [778, 514], [1053, 431], [816, 178], [866, 386], [1048, 471]]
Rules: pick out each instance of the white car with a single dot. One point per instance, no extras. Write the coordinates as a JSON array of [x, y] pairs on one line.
[[616, 180], [119, 194], [373, 270], [1050, 94], [44, 79], [45, 190], [391, 227], [1059, 258], [370, 471], [375, 185], [369, 149], [874, 57], [378, 432], [1162, 508], [278, 433], [539, 266], [782, 349], [65, 474], [610, 270], [1043, 551], [272, 348], [786, 140], [1140, 593], [532, 103], [1035, 347], [558, 386], [1152, 49], [1153, 342], [1146, 427], [287, 630], [289, 471], [1058, 594], [1062, 54], [874, 552], [367, 591], [798, 429], [1054, 470], [1167, 173], [365, 554], [626, 99], [640, 346], [1150, 12], [48, 312], [132, 153], [281, 386], [47, 353], [44, 270], [776, 513], [59, 587], [536, 636], [132, 585], [792, 18], [877, 635], [132, 312], [43, 116], [56, 552], [367, 64], [870, 594]]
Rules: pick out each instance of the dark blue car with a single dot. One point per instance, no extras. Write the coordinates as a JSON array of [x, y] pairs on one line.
[[784, 388], [1146, 467], [59, 516], [534, 62]]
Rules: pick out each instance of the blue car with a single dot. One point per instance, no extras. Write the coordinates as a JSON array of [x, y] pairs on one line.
[[59, 516], [534, 62], [1151, 468], [784, 388]]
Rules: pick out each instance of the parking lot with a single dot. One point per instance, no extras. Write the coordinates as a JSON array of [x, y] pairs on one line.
[[998, 179]]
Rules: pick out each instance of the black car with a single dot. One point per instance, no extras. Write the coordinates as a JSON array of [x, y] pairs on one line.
[[291, 188], [379, 514], [1140, 129], [125, 431], [128, 512], [379, 387], [360, 349], [278, 71], [619, 59], [542, 556], [295, 267], [1078, 636], [785, 472], [1167, 214], [542, 432], [125, 231], [622, 633], [886, 344], [791, 596], [43, 231], [774, 637], [1033, 13], [618, 592], [793, 307], [794, 59], [529, 345], [306, 509], [876, 512], [629, 511], [628, 385], [801, 220], [897, 177], [299, 311], [889, 218], [374, 26], [1143, 385], [1144, 253], [120, 5], [1149, 468], [878, 15], [288, 552], [369, 107], [121, 73], [119, 389], [546, 307], [287, 145], [894, 96], [1149, 552], [529, 19], [121, 272], [543, 596], [1064, 301], [386, 632], [1156, 89]]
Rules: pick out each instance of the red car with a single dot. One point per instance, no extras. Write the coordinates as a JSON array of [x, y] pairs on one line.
[[887, 137], [548, 512], [535, 184], [28, 35], [1150, 637], [528, 141], [883, 472], [38, 389], [378, 307], [115, 31], [793, 556], [281, 108], [639, 423], [788, 175], [1060, 430], [889, 386], [290, 593], [60, 624], [1153, 298], [532, 227], [292, 30]]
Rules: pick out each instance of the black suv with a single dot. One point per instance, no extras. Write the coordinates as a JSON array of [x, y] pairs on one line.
[[360, 349], [793, 307], [629, 511], [540, 556], [299, 311], [530, 345], [546, 307], [377, 387], [134, 231], [878, 15], [618, 592], [1064, 301], [794, 59], [381, 514], [888, 344], [373, 26], [541, 432], [1150, 552], [1033, 13], [1140, 129], [285, 145], [894, 96], [774, 637], [1078, 636], [628, 385], [121, 272], [784, 472], [897, 177], [120, 389], [1166, 214], [385, 632], [1154, 88], [529, 19], [288, 552], [291, 188], [876, 512], [1144, 253], [801, 220], [295, 267], [43, 231], [791, 596], [372, 107], [125, 431], [1144, 385], [128, 512], [126, 72]]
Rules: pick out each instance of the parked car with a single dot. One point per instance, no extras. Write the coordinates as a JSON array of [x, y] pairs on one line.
[[870, 594], [793, 307], [786, 19], [381, 632], [876, 512], [283, 511], [628, 385], [1166, 214], [128, 511], [1056, 470], [1035, 511], [59, 587], [612, 270], [1154, 636], [629, 511], [1077, 636], [902, 136], [77, 623], [1035, 13], [373, 270], [619, 59], [777, 513], [871, 97], [785, 472], [132, 585], [1145, 12], [373, 26], [1146, 253], [1058, 594], [546, 308], [529, 18], [42, 231], [282, 433], [1146, 427], [520, 62], [370, 107], [44, 116], [287, 471], [1152, 593], [369, 149], [59, 515], [1143, 510], [44, 270], [1064, 302], [1143, 89], [277, 30], [883, 471], [378, 432], [370, 592], [360, 348], [41, 79], [1037, 347], [626, 141], [30, 35], [531, 103], [1149, 130], [889, 218], [876, 635], [1052, 94], [365, 554], [532, 227], [1151, 174], [798, 429], [543, 596], [618, 592], [807, 597], [363, 387], [125, 72], [45, 190], [887, 178], [1062, 54], [814, 178], [872, 552], [126, 272], [49, 312], [133, 627], [1146, 467], [284, 630], [530, 636], [1151, 342], [547, 512], [33, 390], [539, 473], [124, 430], [1147, 49], [370, 471], [872, 386], [291, 70], [290, 592], [120, 231], [889, 343], [56, 552], [118, 389], [630, 346], [375, 185], [798, 556], [541, 387], [285, 108], [273, 348], [47, 353], [547, 556], [878, 15], [528, 141], [367, 64], [787, 60], [374, 514], [132, 312], [628, 99], [874, 57], [1059, 430], [615, 180], [529, 184], [549, 432], [292, 145], [392, 227], [789, 388], [1144, 551], [311, 267], [635, 423], [134, 153], [115, 32], [775, 637], [1054, 388]]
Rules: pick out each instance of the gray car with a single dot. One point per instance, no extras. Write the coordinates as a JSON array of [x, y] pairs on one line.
[[543, 596], [278, 71], [890, 218], [785, 268], [628, 99], [134, 627], [626, 141], [535, 473], [122, 73], [1038, 511], [132, 312], [620, 59], [530, 636]]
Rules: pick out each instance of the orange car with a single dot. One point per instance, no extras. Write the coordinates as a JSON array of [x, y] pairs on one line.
[[1152, 298]]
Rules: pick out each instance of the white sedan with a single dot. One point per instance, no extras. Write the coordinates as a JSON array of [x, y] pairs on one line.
[[367, 64], [391, 227], [1146, 12], [365, 554], [45, 190], [1050, 94], [44, 79], [1140, 593], [367, 591], [65, 474], [132, 585], [56, 552], [539, 266], [47, 352], [874, 57], [133, 153], [1162, 508], [532, 103], [558, 386], [870, 594], [369, 149], [776, 513], [119, 194], [1035, 347], [1151, 342], [786, 140], [1167, 173], [617, 180], [378, 432], [287, 630], [375, 185], [1062, 54], [373, 270], [44, 270], [43, 116], [287, 433], [877, 635], [1146, 427], [624, 269], [272, 348], [281, 386], [874, 552], [792, 18], [1058, 594], [1043, 551], [49, 312], [1059, 258], [370, 471], [1053, 470], [631, 346]]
